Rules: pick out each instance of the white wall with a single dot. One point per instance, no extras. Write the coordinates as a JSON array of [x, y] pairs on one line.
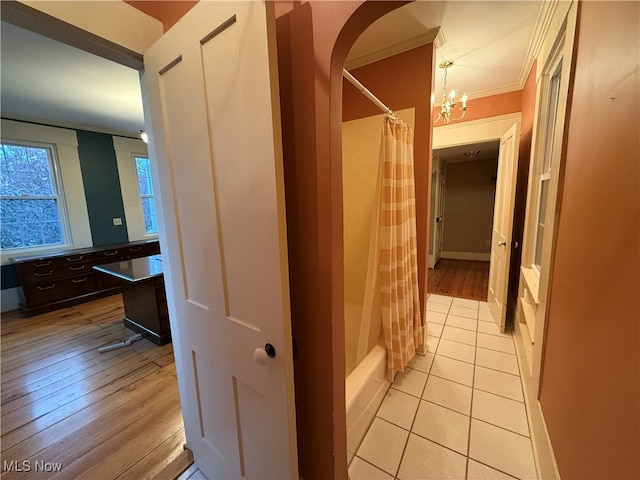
[[126, 149], [65, 144]]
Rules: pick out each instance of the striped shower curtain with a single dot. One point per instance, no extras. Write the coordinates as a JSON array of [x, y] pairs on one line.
[[398, 257]]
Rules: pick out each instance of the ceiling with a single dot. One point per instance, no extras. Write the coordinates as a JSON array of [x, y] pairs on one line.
[[491, 43], [465, 153]]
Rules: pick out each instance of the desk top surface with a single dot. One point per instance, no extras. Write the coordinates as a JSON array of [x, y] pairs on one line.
[[135, 270]]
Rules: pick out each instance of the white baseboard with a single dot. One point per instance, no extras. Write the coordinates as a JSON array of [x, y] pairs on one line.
[[485, 257], [543, 455]]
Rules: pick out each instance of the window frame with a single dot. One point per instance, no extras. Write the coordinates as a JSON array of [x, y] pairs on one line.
[[141, 196], [127, 149], [58, 186], [552, 79]]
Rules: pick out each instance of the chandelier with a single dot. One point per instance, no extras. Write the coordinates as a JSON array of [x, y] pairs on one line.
[[449, 99]]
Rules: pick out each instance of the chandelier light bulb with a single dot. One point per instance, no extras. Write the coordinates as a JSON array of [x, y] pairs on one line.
[[448, 103]]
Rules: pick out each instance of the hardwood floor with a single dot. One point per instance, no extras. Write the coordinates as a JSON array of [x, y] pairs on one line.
[[460, 278], [111, 415]]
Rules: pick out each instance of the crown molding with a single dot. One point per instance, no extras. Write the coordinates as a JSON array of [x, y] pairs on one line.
[[434, 36], [547, 10]]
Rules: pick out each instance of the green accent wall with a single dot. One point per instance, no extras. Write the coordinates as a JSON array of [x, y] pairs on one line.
[[101, 187]]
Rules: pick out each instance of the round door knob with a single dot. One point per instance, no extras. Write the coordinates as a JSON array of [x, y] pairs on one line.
[[262, 355]]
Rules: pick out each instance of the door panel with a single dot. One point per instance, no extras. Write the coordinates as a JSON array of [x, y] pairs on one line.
[[211, 95], [503, 224], [437, 213], [440, 211]]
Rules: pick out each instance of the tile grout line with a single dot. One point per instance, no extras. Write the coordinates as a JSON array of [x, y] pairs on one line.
[[417, 408], [413, 421], [473, 382]]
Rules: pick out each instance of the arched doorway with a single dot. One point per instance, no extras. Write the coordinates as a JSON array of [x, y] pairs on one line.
[[314, 40]]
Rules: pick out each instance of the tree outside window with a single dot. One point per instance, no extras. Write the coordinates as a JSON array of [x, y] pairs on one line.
[[31, 204], [145, 189]]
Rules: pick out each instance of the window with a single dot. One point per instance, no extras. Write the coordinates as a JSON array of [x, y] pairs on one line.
[[32, 213], [145, 189], [546, 162]]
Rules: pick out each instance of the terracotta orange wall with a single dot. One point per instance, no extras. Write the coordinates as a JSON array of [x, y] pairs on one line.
[[314, 39], [590, 393], [485, 107], [403, 81], [167, 11]]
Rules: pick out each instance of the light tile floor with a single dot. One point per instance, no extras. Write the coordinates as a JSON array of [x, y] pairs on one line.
[[458, 412]]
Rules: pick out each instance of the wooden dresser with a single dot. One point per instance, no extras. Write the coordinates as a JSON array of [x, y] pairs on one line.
[[64, 278]]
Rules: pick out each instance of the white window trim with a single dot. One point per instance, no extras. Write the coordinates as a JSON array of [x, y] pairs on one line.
[[558, 43], [126, 150], [56, 180], [65, 146]]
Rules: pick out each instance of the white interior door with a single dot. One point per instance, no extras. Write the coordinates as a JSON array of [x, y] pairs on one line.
[[503, 224], [211, 92], [437, 210], [439, 220]]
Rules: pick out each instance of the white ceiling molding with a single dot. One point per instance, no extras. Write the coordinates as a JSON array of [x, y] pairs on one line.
[[439, 41], [430, 36], [494, 91], [540, 31]]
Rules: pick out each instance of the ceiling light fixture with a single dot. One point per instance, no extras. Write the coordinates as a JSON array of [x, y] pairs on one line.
[[144, 136], [449, 99]]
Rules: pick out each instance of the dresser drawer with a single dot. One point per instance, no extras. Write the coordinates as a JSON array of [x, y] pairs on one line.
[[59, 289], [111, 255], [66, 278], [145, 250], [43, 266], [55, 271]]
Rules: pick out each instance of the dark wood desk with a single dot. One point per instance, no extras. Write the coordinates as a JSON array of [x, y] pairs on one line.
[[145, 302]]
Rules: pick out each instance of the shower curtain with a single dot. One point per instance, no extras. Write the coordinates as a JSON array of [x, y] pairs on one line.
[[398, 262]]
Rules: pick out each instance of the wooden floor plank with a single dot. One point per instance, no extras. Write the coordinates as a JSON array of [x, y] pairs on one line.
[[114, 456], [455, 288], [467, 287], [50, 363], [55, 346], [156, 462], [459, 278], [36, 437], [110, 415], [85, 376]]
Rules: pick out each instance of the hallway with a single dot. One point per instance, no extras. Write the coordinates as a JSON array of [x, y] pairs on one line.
[[457, 412]]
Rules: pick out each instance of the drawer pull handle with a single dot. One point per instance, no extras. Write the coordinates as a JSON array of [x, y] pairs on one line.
[[73, 280], [110, 254], [135, 249], [50, 272], [44, 264], [75, 269], [53, 285], [74, 259]]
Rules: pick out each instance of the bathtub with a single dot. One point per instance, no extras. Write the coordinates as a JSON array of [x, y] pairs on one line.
[[365, 389]]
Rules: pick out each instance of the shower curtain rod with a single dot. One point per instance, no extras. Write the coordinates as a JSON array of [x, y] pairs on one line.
[[366, 92]]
